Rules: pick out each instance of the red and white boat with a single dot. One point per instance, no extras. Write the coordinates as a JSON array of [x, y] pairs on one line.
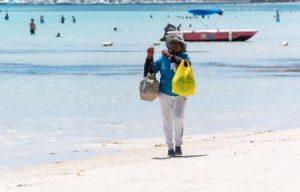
[[216, 35]]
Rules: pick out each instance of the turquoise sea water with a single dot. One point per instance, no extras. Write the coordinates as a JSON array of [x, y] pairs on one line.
[[60, 95]]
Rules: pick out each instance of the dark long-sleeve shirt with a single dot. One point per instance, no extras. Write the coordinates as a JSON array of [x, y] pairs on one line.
[[148, 66]]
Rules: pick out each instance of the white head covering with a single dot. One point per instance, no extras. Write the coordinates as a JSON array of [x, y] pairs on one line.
[[175, 38]]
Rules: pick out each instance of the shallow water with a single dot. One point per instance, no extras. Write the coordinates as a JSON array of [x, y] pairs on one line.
[[58, 95]]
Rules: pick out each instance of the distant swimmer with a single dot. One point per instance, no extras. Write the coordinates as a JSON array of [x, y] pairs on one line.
[[190, 25], [6, 17], [32, 27], [62, 19], [277, 15], [42, 19], [73, 19], [58, 35], [151, 16], [115, 29]]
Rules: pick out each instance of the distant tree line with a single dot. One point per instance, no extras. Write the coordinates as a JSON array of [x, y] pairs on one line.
[[271, 1]]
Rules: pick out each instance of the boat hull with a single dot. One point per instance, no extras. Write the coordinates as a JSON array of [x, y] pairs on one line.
[[216, 35]]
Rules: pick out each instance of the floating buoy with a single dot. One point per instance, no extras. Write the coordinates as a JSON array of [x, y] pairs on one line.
[[285, 43], [107, 43]]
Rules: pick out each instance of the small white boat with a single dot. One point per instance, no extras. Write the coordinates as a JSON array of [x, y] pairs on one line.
[[216, 35]]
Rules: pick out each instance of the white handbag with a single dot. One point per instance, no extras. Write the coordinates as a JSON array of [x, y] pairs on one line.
[[149, 88]]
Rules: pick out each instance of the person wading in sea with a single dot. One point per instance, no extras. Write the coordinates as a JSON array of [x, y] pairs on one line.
[[62, 19], [73, 19], [42, 19], [6, 17], [172, 105], [32, 27]]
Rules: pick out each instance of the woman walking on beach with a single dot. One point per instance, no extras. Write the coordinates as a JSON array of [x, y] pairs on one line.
[[172, 105]]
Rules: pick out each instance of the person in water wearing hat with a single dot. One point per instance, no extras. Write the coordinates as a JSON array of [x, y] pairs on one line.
[[172, 105]]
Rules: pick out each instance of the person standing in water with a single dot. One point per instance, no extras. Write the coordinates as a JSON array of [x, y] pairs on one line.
[[32, 27], [73, 19], [277, 15], [42, 19], [172, 105], [62, 19], [6, 17]]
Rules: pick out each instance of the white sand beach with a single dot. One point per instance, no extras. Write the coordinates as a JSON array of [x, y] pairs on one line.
[[258, 161]]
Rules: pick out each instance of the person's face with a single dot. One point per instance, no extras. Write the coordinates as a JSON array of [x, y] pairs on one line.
[[176, 47]]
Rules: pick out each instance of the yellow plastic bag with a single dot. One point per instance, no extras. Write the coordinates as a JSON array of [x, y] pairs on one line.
[[183, 82]]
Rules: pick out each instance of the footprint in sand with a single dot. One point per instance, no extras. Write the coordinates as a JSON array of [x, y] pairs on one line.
[[23, 185]]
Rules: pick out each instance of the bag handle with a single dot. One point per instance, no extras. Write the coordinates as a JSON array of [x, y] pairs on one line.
[[182, 62], [188, 63]]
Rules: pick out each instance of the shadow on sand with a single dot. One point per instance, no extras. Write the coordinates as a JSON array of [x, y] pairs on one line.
[[180, 156]]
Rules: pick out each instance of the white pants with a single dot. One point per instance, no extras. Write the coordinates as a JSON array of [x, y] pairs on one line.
[[172, 109]]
